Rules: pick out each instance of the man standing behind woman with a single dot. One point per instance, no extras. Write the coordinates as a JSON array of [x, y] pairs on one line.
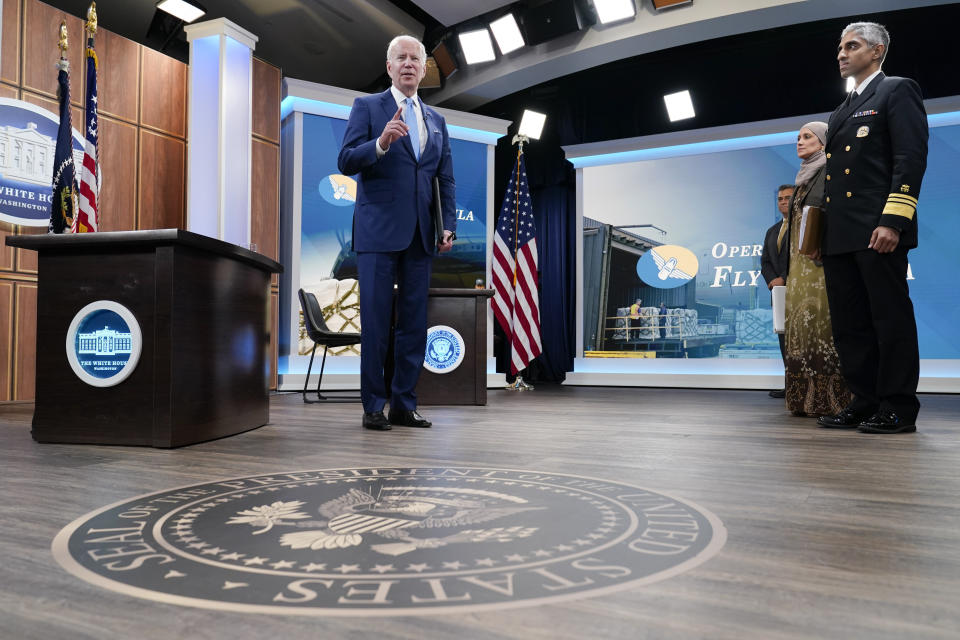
[[814, 384], [774, 261]]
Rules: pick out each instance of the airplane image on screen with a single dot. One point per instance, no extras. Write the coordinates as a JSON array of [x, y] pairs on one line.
[[668, 268]]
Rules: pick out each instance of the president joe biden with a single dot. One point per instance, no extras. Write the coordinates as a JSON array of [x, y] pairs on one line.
[[396, 145]]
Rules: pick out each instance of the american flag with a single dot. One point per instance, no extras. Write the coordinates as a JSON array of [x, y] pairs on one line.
[[516, 299], [88, 218]]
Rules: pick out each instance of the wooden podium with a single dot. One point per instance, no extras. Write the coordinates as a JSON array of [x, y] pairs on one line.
[[466, 311], [202, 306]]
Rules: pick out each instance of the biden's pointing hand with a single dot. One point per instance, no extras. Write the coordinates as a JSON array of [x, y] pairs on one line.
[[395, 129]]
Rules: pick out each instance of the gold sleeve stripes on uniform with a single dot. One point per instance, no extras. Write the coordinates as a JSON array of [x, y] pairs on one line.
[[900, 204]]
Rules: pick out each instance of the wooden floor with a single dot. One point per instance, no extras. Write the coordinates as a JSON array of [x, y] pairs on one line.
[[830, 534]]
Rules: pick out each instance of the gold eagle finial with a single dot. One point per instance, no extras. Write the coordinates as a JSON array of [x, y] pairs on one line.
[[92, 19], [64, 42]]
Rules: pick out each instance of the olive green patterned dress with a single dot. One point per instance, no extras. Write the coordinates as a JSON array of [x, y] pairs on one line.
[[814, 384]]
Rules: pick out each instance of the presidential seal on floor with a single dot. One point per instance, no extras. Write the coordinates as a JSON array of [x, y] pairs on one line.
[[388, 541]]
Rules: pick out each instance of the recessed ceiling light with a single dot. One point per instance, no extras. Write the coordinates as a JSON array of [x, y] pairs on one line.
[[186, 11]]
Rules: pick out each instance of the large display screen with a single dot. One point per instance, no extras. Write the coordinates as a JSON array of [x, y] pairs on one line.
[[327, 265], [678, 236], [328, 200]]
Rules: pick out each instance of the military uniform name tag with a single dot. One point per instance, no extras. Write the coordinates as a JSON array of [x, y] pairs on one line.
[[862, 132]]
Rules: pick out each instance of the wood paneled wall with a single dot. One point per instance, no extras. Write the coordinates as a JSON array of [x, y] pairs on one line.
[[265, 183], [143, 140]]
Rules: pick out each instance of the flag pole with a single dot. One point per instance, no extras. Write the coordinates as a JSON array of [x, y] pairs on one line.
[[518, 383], [88, 216], [516, 219]]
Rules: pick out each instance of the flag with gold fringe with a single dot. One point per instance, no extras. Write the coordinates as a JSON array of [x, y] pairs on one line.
[[516, 298], [63, 206]]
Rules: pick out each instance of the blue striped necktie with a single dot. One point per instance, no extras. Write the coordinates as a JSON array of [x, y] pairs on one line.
[[410, 116]]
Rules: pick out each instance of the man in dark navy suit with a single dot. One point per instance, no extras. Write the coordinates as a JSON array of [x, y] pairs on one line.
[[876, 157], [775, 258], [396, 145]]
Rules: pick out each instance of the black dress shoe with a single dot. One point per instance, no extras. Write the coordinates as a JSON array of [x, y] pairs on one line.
[[408, 418], [846, 419], [376, 420], [886, 421], [778, 393]]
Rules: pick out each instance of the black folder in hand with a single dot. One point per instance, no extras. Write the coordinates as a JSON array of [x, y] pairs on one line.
[[437, 211]]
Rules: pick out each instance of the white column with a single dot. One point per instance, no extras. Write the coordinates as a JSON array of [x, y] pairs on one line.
[[220, 121]]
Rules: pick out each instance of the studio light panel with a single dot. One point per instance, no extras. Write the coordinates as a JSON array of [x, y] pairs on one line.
[[476, 46], [507, 34], [531, 124], [614, 10], [679, 105]]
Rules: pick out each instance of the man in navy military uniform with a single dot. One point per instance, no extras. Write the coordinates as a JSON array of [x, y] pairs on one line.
[[876, 156], [775, 258], [396, 145]]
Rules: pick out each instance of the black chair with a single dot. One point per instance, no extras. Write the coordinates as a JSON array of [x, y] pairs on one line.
[[321, 335]]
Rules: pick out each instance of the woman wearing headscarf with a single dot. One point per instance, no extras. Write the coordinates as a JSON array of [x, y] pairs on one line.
[[814, 384]]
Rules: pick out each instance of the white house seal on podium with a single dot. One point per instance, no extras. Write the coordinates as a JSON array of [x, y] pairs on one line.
[[103, 343]]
